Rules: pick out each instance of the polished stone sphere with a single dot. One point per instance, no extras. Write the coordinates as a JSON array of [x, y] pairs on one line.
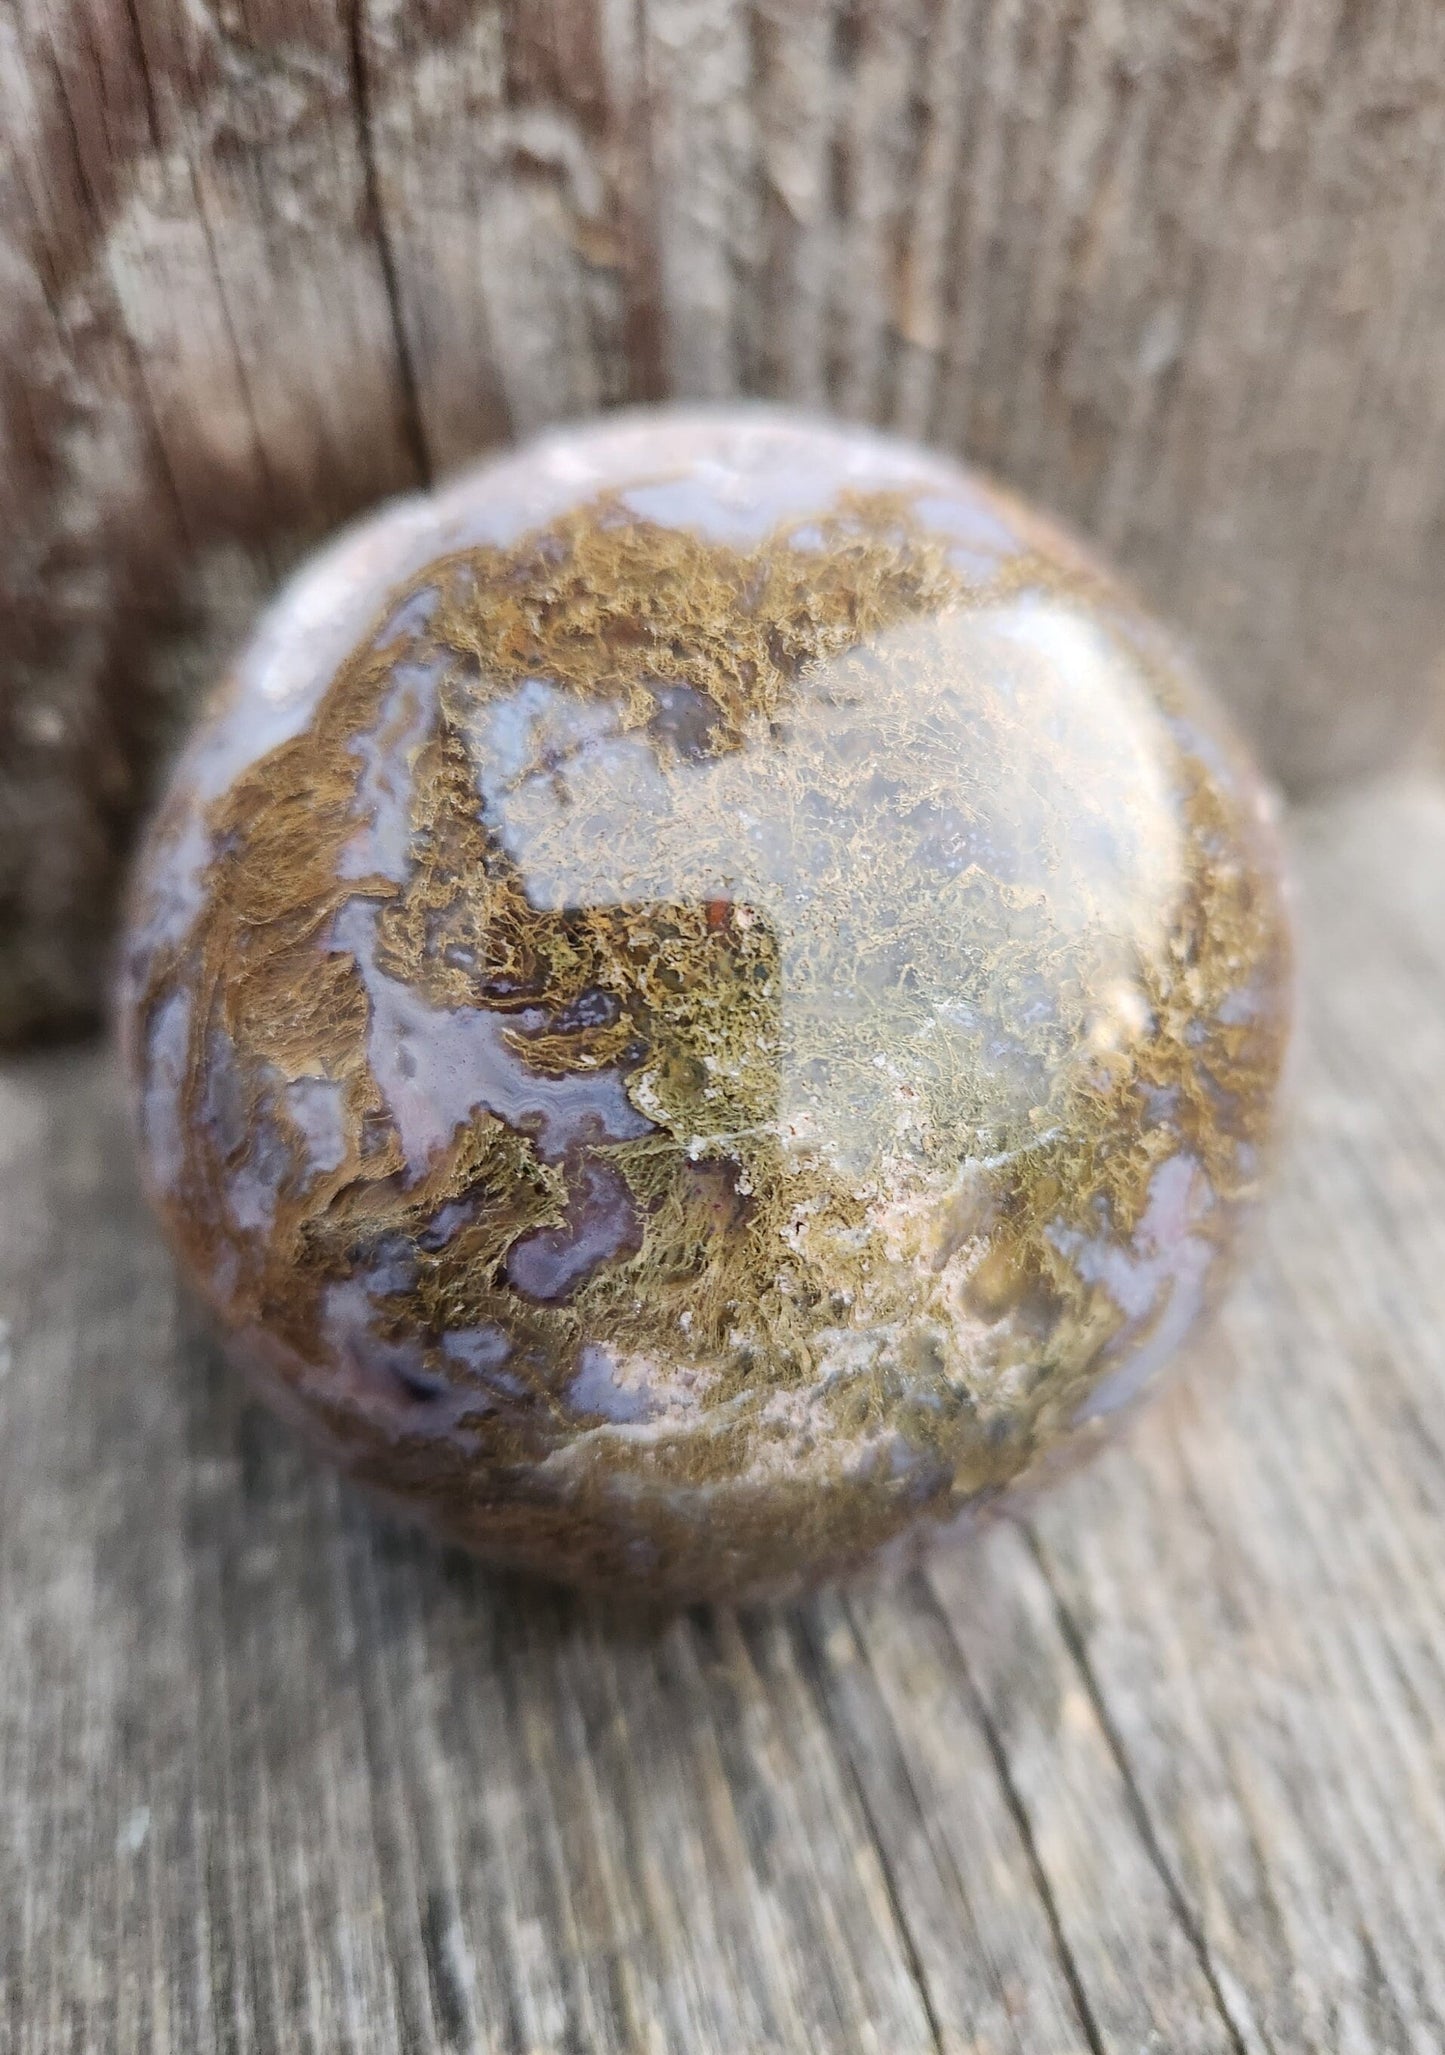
[[705, 999]]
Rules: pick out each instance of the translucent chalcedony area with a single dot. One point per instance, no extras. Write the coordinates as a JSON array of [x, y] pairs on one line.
[[705, 997]]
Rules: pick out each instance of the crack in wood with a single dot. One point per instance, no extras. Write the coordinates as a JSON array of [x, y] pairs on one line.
[[1134, 1796], [412, 423], [813, 1664], [1019, 1812]]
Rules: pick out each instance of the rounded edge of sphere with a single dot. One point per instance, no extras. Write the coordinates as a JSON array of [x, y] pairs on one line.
[[706, 999]]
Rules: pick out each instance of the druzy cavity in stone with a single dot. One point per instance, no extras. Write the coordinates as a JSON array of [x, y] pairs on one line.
[[706, 997]]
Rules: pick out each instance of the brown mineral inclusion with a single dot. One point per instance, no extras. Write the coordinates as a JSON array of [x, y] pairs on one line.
[[705, 997]]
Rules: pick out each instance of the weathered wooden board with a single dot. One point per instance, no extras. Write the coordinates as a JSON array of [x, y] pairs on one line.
[[1177, 267], [1160, 1768]]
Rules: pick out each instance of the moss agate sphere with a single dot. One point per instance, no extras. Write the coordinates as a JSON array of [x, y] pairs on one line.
[[705, 997]]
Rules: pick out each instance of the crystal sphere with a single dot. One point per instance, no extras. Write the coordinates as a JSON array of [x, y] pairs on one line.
[[704, 999]]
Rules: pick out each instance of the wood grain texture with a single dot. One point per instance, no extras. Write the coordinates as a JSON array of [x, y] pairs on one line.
[[1178, 269], [1158, 1767]]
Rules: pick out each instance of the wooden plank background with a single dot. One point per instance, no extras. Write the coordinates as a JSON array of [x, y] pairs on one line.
[[1162, 1767], [1159, 1768]]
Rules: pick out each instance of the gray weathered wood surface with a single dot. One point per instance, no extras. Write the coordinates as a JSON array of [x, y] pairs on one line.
[[1159, 1769], [1176, 267]]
